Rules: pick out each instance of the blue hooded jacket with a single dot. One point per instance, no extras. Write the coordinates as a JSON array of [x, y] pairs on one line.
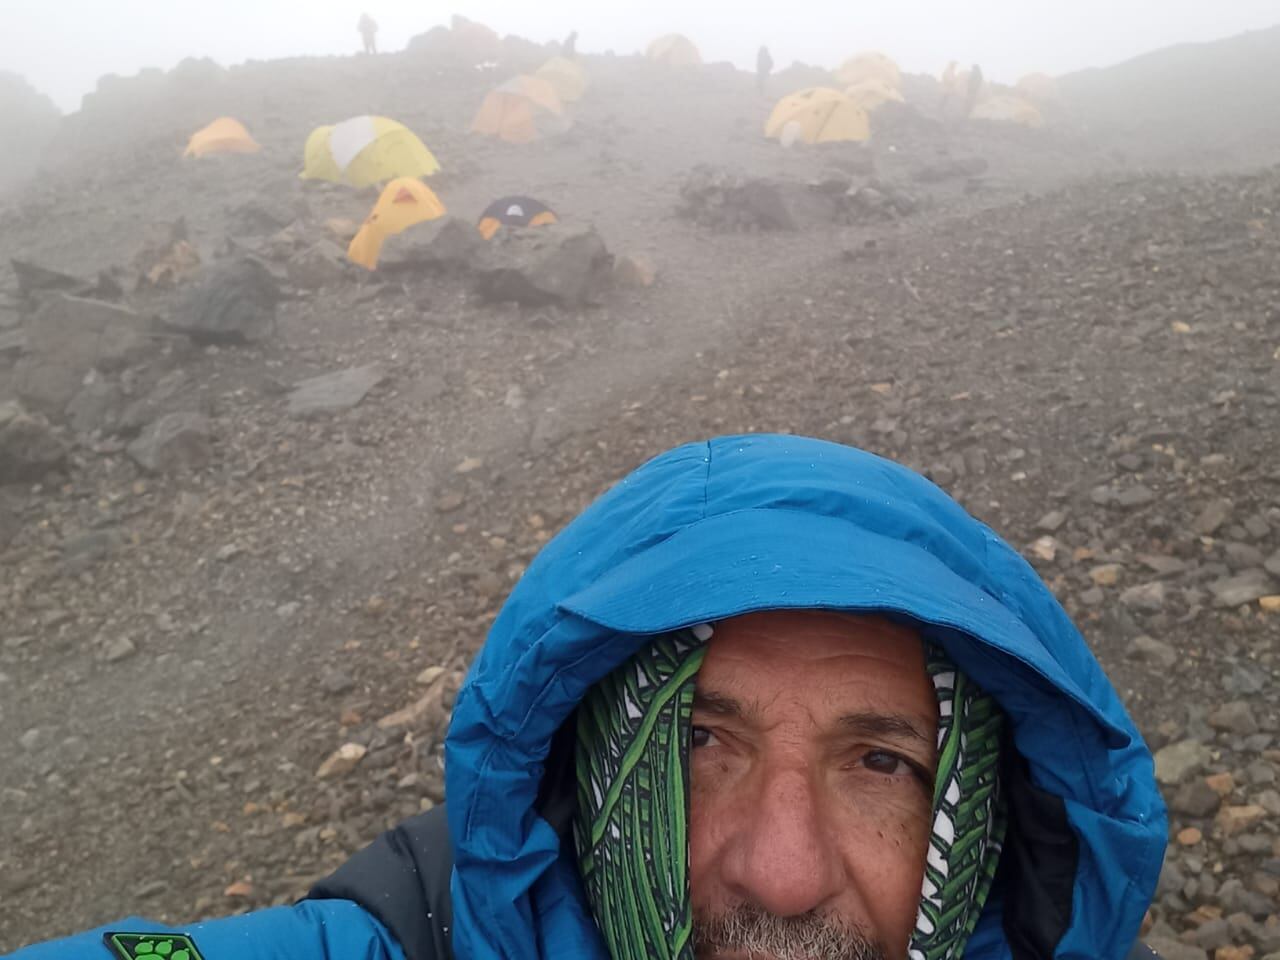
[[712, 530]]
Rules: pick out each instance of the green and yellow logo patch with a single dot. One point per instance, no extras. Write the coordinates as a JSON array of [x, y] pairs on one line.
[[152, 946]]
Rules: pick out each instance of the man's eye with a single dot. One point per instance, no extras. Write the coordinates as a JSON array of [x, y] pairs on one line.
[[889, 764], [702, 737]]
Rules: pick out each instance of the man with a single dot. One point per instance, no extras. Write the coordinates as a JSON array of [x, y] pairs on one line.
[[769, 697], [764, 67], [570, 47], [976, 83], [368, 28]]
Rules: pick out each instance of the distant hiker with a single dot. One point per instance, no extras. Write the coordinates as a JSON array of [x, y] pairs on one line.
[[975, 89], [764, 67], [368, 28], [571, 45]]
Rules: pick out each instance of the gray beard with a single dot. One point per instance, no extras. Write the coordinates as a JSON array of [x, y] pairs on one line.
[[752, 932]]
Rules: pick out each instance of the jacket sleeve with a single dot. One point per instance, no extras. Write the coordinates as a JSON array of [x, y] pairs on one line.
[[310, 930]]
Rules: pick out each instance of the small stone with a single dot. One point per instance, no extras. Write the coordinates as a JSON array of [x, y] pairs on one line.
[[1154, 651], [118, 649], [1146, 597], [334, 392], [1106, 574], [335, 683], [1195, 799], [31, 739], [469, 465], [1213, 516], [1176, 762], [239, 890], [1052, 521], [152, 888], [429, 675], [228, 552], [1137, 496], [1243, 588], [1233, 820], [342, 761], [1221, 783], [1234, 717], [449, 502], [1046, 548], [286, 611], [1233, 953], [1189, 837]]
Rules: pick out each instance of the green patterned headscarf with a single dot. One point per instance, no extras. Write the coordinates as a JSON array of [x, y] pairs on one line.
[[631, 829]]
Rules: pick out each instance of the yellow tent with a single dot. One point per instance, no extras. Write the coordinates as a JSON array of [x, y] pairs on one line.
[[818, 115], [872, 94], [1007, 108], [675, 50], [870, 66], [224, 135], [366, 150], [1038, 88], [520, 111], [404, 202], [566, 77]]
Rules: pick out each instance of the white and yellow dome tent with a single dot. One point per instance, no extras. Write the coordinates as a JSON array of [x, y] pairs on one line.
[[818, 115], [366, 150]]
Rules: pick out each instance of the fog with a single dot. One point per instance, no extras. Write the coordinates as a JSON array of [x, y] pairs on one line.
[[62, 48]]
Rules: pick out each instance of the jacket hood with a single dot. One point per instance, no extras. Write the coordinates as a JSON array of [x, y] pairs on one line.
[[738, 524]]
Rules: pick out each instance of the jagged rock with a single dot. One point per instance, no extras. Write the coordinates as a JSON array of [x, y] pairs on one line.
[[96, 408], [1234, 717], [265, 214], [567, 265], [175, 442], [727, 201], [69, 336], [319, 265], [35, 280], [29, 448], [1148, 597], [447, 242], [175, 392], [235, 304], [334, 392]]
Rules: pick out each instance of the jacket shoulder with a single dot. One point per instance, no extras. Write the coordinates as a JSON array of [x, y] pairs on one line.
[[402, 879]]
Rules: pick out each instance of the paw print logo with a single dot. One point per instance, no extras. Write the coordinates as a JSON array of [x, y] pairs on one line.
[[164, 949]]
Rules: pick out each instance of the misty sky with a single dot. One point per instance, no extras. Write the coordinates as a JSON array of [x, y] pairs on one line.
[[63, 46]]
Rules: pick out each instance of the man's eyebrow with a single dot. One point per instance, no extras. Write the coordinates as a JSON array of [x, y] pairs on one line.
[[719, 705], [892, 726]]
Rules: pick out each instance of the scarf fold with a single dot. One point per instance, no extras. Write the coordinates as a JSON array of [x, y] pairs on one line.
[[631, 827]]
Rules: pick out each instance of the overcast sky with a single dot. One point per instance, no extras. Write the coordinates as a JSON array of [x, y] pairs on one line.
[[63, 46]]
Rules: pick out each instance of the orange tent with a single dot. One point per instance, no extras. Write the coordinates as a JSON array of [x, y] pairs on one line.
[[224, 135], [520, 111], [403, 203]]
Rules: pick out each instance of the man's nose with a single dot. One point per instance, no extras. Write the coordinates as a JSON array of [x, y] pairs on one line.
[[782, 857]]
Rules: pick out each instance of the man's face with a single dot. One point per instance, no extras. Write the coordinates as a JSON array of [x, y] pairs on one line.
[[811, 799]]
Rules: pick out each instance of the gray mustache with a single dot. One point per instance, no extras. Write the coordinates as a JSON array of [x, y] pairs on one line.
[[755, 933]]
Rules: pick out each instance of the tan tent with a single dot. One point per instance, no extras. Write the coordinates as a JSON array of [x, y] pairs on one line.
[[1038, 88], [818, 115], [870, 95], [566, 77], [675, 50], [870, 66], [522, 110], [1007, 108]]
